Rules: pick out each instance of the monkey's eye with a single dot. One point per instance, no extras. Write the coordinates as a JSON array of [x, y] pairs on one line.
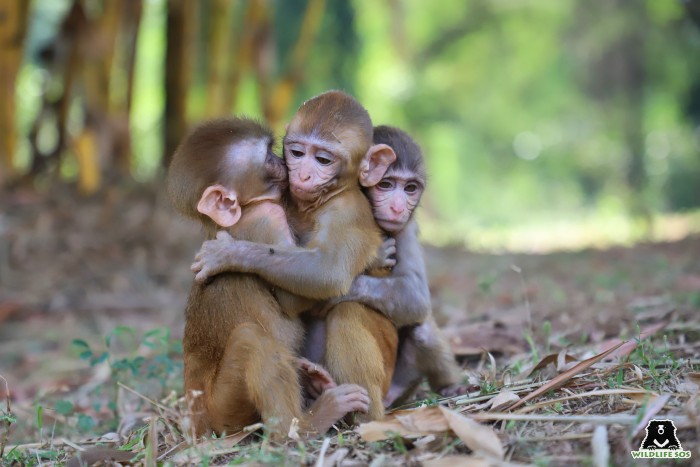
[[323, 160], [411, 188], [385, 184], [296, 153]]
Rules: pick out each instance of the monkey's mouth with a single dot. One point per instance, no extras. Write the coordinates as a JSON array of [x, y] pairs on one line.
[[302, 193], [390, 225]]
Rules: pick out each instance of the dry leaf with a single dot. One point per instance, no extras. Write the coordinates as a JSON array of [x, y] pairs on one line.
[[410, 423], [477, 437], [505, 397], [551, 358]]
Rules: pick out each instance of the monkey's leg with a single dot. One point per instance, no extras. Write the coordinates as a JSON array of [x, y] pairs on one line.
[[435, 359], [406, 377], [257, 377], [361, 349]]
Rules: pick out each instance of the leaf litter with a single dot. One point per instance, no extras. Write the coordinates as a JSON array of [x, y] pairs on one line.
[[568, 365]]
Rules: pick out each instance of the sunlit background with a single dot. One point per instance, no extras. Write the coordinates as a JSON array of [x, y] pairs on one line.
[[545, 123]]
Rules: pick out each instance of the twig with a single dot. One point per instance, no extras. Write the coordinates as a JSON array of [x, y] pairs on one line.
[[8, 416], [595, 419], [322, 454], [64, 442], [73, 445], [148, 399]]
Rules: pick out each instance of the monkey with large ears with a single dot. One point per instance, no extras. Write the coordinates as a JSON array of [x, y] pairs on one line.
[[401, 293], [240, 346], [328, 148]]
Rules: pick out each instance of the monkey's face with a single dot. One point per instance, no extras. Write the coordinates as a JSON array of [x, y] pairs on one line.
[[394, 199], [314, 165]]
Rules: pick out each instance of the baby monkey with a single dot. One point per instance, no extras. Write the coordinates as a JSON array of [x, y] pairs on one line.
[[240, 346], [397, 285]]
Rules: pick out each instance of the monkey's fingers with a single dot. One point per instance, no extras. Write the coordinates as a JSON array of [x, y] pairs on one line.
[[353, 398], [202, 276], [315, 376]]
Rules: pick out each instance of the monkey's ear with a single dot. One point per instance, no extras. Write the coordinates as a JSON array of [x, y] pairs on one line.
[[375, 163], [221, 205]]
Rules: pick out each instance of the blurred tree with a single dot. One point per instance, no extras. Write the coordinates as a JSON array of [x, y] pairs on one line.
[[13, 25], [616, 77], [181, 30], [89, 93], [255, 53]]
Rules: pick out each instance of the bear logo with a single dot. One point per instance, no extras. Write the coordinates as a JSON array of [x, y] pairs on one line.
[[661, 434]]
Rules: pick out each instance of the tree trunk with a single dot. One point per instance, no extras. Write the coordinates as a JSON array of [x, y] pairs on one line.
[[13, 25], [181, 21], [220, 57]]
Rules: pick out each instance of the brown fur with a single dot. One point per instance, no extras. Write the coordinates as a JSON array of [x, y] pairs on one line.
[[239, 348]]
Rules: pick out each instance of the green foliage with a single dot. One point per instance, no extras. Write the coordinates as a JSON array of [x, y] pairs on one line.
[[126, 359], [660, 362], [522, 116], [150, 363]]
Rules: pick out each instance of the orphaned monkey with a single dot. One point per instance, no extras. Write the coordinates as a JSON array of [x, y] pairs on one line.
[[239, 347], [402, 293], [327, 148]]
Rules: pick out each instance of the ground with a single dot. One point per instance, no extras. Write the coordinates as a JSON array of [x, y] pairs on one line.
[[92, 295]]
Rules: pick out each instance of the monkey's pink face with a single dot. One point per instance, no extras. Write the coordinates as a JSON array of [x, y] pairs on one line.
[[313, 166], [393, 200]]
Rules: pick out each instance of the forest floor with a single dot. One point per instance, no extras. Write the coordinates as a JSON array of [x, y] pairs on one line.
[[92, 293]]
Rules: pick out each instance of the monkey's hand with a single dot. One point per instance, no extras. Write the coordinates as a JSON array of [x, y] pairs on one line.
[[213, 258], [337, 402], [386, 255], [314, 378]]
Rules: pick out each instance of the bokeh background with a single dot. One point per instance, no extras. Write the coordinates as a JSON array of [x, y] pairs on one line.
[[546, 124]]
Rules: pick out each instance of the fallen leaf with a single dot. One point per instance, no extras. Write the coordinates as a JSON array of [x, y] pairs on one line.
[[551, 358], [503, 398], [432, 420], [477, 437], [410, 423]]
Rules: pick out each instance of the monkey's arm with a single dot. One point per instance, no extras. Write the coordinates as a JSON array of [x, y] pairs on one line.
[[324, 269], [403, 297]]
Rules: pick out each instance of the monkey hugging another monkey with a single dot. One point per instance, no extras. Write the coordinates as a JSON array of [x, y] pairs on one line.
[[243, 334], [240, 346]]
